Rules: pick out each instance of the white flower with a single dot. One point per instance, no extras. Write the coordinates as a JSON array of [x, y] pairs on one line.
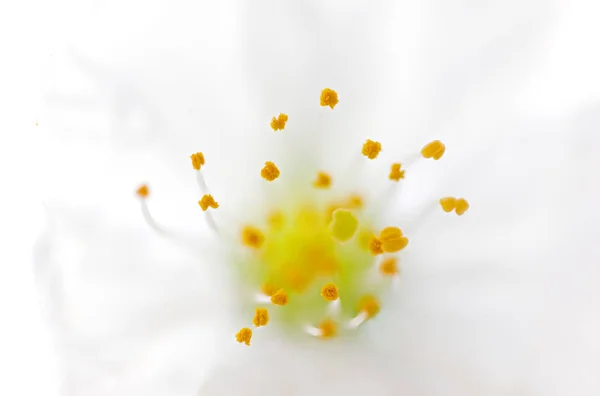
[[138, 312]]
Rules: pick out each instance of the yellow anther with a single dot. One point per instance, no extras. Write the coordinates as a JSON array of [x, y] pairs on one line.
[[197, 160], [269, 289], [329, 98], [330, 292], [276, 220], [396, 173], [143, 191], [389, 266], [433, 150], [270, 171], [244, 336], [343, 225], [371, 149], [252, 237], [208, 201], [392, 240], [448, 204], [261, 317], [323, 180], [375, 246], [280, 298], [461, 206], [369, 305], [278, 123], [328, 328]]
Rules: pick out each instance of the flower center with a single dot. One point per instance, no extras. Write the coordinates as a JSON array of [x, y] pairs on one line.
[[316, 264]]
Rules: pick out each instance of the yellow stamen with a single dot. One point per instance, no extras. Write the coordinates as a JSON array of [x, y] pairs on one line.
[[197, 160], [330, 292], [369, 305], [280, 298], [396, 173], [344, 225], [252, 237], [371, 149], [328, 328], [278, 123], [392, 239], [461, 206], [448, 204], [433, 150], [244, 336], [261, 317], [323, 180], [208, 201], [270, 171], [375, 246], [329, 98], [143, 191], [389, 266], [269, 289]]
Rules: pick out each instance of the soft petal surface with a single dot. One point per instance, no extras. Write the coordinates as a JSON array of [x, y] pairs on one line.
[[499, 301]]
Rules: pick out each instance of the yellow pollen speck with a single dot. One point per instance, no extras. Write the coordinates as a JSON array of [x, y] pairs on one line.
[[369, 305], [389, 266], [252, 237], [344, 225], [143, 191], [448, 204], [197, 160], [323, 180], [270, 171], [375, 245], [269, 289], [371, 149], [280, 298], [396, 173], [278, 123], [433, 150], [392, 239], [261, 317], [461, 206], [330, 292], [244, 336], [329, 98], [208, 201], [328, 328]]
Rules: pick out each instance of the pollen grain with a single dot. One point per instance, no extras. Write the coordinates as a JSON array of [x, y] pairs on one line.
[[330, 292], [396, 173], [270, 171], [329, 98], [435, 150], [244, 336], [143, 191], [323, 180], [371, 149], [208, 201], [278, 123], [197, 160], [252, 237], [261, 317]]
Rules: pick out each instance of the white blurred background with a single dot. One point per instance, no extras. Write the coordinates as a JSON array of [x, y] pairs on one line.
[[81, 79]]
